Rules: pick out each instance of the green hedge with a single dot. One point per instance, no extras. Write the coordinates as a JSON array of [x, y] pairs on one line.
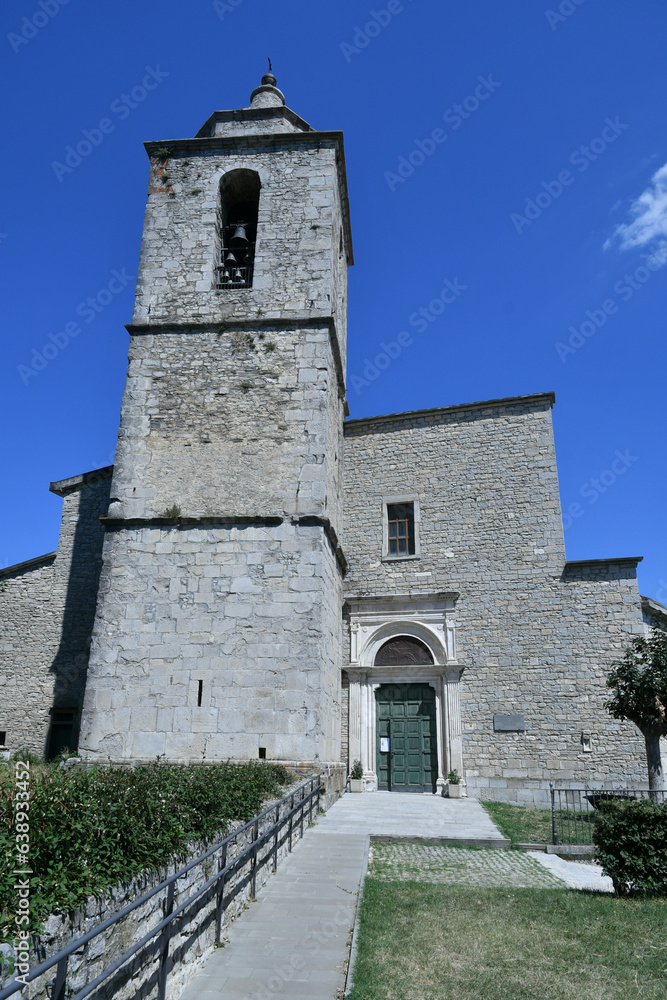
[[631, 845], [91, 829]]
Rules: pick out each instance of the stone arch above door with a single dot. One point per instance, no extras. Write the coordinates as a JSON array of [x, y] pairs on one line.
[[372, 639], [428, 619]]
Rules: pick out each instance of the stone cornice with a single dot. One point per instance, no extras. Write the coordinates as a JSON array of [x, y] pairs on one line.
[[536, 401], [404, 599], [233, 521], [249, 143]]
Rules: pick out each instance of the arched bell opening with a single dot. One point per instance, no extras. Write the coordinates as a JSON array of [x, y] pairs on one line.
[[237, 228]]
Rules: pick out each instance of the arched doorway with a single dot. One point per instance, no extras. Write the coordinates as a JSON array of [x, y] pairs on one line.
[[406, 751]]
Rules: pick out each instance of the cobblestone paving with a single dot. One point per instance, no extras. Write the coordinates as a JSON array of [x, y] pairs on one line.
[[458, 866]]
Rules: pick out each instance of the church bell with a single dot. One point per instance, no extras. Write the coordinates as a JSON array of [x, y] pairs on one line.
[[239, 240]]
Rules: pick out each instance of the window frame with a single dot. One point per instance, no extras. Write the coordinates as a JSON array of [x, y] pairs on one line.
[[386, 502]]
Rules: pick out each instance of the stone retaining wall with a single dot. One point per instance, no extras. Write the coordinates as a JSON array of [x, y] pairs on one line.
[[193, 934]]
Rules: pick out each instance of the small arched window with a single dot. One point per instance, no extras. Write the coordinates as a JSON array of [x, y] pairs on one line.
[[237, 228], [402, 651]]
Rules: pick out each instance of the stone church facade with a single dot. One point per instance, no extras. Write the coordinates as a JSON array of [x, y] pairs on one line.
[[258, 576]]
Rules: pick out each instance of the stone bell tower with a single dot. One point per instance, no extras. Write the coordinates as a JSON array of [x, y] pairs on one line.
[[218, 626]]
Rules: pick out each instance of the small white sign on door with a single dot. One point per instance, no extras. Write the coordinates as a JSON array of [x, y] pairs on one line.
[[384, 744]]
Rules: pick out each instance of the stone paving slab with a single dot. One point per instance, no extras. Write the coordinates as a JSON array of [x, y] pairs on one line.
[[409, 817]]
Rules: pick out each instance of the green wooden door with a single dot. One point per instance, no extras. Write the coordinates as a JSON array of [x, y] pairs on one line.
[[405, 716]]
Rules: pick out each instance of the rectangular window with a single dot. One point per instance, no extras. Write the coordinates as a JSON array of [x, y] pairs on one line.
[[401, 529]]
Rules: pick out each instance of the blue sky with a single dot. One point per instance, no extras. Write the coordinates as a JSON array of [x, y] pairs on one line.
[[513, 150]]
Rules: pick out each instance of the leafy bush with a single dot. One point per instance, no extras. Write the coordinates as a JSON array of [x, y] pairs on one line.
[[91, 829], [631, 845]]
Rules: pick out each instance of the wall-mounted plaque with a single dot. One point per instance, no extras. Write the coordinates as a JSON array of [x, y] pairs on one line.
[[508, 723]]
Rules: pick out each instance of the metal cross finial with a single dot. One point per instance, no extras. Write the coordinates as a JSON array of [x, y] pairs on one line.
[[270, 70]]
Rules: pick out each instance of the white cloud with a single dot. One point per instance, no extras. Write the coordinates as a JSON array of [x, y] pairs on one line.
[[649, 226]]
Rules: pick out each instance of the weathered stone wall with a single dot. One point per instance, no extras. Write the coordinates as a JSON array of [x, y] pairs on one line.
[[298, 230], [232, 422], [193, 936], [232, 413], [252, 612], [536, 635], [46, 619], [30, 627]]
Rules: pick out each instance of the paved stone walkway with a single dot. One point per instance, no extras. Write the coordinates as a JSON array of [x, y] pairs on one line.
[[294, 940], [458, 866], [407, 818]]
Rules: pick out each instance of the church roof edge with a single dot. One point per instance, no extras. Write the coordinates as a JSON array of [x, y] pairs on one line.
[[650, 604], [506, 401], [627, 560], [63, 486], [27, 564]]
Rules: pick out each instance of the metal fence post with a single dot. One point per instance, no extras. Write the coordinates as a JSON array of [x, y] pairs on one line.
[[291, 818], [554, 832], [303, 795], [253, 866], [164, 949], [220, 905], [276, 834], [61, 979]]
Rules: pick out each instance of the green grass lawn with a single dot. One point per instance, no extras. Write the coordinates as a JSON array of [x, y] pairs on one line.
[[434, 942], [521, 825]]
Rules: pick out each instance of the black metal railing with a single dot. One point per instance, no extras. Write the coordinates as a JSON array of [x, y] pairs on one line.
[[237, 271], [573, 810], [301, 801]]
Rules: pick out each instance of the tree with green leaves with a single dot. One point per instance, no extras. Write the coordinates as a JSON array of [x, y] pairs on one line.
[[639, 683]]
